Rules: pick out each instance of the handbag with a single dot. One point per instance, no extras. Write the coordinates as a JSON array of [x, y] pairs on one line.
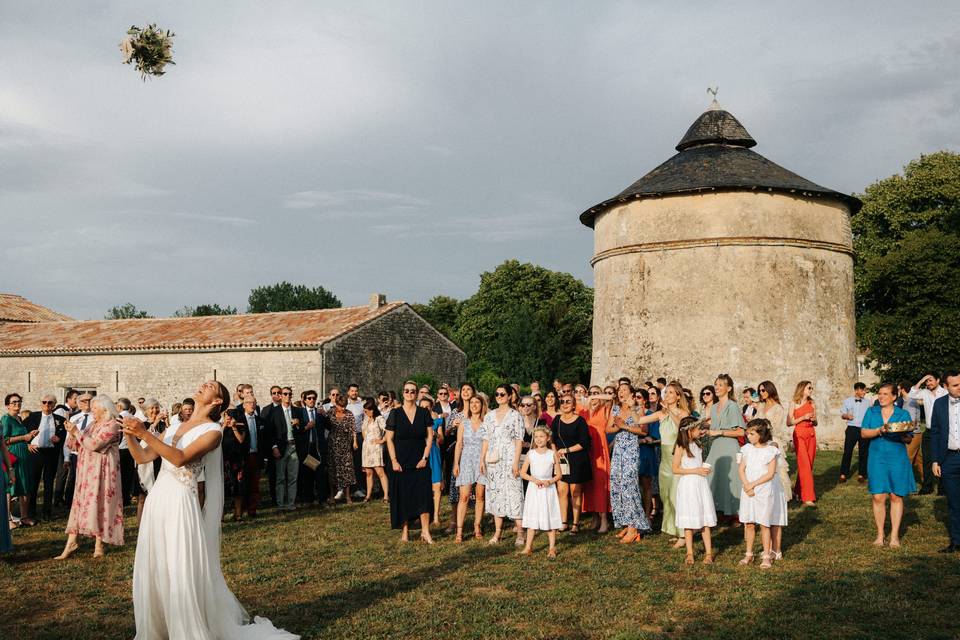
[[564, 463], [493, 456], [311, 463]]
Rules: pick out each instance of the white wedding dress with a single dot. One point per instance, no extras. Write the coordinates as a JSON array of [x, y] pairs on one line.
[[179, 592]]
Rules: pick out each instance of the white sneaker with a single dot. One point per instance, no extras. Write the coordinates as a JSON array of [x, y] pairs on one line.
[[339, 495]]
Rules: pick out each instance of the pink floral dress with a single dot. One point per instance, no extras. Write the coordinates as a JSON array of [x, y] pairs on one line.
[[97, 509]]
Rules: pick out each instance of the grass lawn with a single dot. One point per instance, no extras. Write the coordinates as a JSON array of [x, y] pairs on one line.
[[340, 573]]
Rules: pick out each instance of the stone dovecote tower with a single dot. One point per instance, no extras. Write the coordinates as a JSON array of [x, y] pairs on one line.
[[720, 261]]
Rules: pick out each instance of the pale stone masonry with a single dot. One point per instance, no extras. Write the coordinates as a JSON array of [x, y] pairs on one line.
[[719, 261], [377, 347]]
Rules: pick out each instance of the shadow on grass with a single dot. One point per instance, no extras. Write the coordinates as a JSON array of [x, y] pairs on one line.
[[326, 610]]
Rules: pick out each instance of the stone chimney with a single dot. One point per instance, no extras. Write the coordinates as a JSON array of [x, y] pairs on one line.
[[377, 300]]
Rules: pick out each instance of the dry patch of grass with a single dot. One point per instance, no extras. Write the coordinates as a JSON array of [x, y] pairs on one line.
[[340, 573]]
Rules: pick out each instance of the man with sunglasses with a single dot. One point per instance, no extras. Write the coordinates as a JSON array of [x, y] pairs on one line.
[[284, 425], [46, 450]]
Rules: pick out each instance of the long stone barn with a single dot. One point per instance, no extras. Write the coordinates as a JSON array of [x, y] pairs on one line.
[[377, 346]]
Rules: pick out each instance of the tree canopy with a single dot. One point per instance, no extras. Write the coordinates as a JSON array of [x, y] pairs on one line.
[[126, 311], [907, 243], [441, 312], [526, 322], [205, 310], [285, 296]]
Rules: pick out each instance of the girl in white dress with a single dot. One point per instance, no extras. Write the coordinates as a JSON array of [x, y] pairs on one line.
[[179, 592], [762, 499], [695, 510], [541, 506]]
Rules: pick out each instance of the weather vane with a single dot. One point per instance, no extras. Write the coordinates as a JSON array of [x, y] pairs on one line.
[[713, 90]]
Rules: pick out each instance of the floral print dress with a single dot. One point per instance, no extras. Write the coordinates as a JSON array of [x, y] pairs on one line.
[[504, 491], [625, 497], [97, 509]]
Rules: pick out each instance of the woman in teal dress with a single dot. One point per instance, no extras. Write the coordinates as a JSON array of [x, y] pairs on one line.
[[436, 462], [726, 425], [6, 540], [888, 470], [18, 438]]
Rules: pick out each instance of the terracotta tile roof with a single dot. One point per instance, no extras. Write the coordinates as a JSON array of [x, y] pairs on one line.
[[290, 329], [14, 308]]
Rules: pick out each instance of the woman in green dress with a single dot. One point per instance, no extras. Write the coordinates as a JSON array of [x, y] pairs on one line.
[[726, 425], [18, 438], [674, 407]]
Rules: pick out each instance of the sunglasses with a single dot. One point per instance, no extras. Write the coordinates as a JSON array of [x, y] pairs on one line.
[[526, 405], [47, 402], [286, 393], [275, 393], [705, 393], [310, 398], [409, 390], [15, 402], [500, 394]]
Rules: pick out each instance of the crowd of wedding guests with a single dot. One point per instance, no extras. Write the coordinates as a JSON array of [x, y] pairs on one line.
[[640, 458]]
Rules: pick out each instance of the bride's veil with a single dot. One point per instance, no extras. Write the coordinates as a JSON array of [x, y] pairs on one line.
[[227, 615]]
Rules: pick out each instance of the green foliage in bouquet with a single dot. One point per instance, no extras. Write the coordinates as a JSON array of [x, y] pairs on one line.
[[149, 48]]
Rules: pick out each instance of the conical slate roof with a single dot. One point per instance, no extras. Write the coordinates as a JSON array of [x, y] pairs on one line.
[[715, 155]]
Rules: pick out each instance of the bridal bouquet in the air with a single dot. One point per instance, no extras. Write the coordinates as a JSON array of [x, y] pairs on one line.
[[149, 48]]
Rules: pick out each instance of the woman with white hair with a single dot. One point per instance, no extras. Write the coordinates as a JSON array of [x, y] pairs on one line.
[[97, 508]]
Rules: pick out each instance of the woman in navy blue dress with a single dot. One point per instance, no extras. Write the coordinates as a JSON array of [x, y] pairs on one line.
[[888, 469], [409, 440]]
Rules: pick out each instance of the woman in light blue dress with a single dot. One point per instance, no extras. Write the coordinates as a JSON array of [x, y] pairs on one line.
[[466, 465], [436, 462], [726, 426], [888, 468]]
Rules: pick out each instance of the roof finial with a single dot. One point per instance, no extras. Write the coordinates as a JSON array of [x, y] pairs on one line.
[[714, 105]]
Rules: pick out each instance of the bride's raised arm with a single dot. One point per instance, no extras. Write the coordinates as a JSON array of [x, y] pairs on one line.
[[177, 457]]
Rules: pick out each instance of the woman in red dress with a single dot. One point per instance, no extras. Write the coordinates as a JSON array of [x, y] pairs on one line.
[[596, 495], [802, 415]]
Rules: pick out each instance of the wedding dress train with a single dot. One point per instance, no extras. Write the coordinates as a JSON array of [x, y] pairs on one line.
[[179, 592]]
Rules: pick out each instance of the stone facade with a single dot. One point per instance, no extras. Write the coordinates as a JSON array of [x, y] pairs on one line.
[[378, 354], [756, 285], [406, 345]]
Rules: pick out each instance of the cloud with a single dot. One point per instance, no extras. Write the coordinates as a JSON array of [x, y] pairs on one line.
[[355, 202]]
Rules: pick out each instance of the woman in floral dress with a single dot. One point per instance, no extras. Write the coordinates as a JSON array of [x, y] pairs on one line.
[[342, 442], [500, 463], [466, 466], [97, 508], [625, 497]]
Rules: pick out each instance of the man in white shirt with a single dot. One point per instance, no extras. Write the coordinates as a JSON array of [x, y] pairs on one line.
[[83, 419], [945, 457], [927, 391], [46, 450], [355, 406], [852, 411]]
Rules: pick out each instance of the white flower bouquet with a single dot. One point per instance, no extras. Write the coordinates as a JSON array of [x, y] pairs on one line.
[[149, 48]]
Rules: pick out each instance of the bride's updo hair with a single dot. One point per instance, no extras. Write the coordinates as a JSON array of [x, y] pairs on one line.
[[218, 409]]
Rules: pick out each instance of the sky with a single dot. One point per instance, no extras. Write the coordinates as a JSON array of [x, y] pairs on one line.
[[406, 147]]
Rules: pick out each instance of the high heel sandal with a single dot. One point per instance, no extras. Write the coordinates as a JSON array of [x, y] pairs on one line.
[[67, 552], [778, 555], [459, 538], [575, 527], [747, 558], [688, 559], [708, 559], [622, 532], [495, 539], [630, 537], [478, 533], [765, 559]]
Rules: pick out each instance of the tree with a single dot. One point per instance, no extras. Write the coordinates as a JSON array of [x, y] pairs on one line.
[[205, 310], [527, 322], [441, 312], [126, 311], [907, 243], [284, 296]]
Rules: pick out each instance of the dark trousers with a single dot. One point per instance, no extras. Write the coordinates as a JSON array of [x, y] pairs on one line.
[[357, 464], [950, 483], [306, 491], [45, 463], [852, 437], [272, 478], [928, 479], [128, 474], [251, 480], [66, 478]]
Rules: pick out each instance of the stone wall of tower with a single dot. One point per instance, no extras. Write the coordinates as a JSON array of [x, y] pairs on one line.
[[757, 285]]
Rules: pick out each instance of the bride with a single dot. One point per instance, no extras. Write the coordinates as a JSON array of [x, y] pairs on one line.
[[178, 586]]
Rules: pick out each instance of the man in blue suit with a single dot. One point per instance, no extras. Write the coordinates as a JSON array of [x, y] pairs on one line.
[[945, 443]]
